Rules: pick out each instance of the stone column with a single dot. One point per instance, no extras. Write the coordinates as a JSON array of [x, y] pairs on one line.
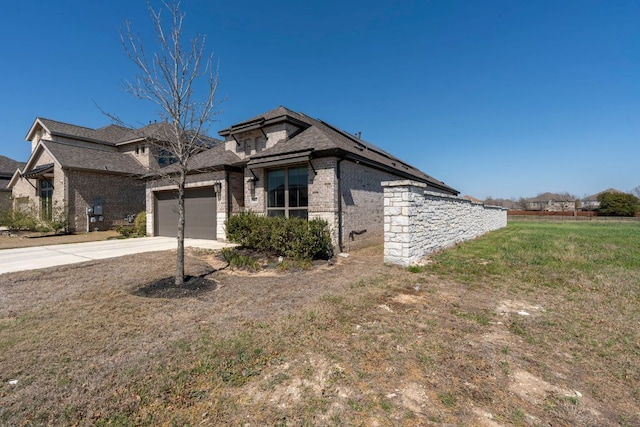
[[400, 200]]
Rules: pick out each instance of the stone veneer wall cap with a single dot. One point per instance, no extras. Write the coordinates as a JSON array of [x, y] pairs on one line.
[[404, 183]]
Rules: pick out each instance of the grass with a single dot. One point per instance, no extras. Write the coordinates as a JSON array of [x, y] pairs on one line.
[[534, 324]]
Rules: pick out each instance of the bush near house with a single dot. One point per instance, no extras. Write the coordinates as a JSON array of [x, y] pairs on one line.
[[291, 237], [28, 219], [139, 228]]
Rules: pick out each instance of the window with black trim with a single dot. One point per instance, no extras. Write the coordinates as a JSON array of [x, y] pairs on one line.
[[46, 198], [287, 192]]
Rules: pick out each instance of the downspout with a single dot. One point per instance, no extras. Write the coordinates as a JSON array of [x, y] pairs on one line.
[[340, 218]]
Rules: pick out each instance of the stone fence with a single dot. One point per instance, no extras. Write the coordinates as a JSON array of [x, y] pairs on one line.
[[419, 222]]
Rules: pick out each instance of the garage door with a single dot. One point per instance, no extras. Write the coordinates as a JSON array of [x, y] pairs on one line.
[[199, 210]]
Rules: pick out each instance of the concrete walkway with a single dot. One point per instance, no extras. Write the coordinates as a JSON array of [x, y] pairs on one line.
[[52, 255]]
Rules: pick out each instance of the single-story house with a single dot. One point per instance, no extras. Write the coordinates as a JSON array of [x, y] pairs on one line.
[[7, 168], [92, 176], [285, 163]]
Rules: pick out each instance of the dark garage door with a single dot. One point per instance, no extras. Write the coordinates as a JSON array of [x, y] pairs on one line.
[[199, 209]]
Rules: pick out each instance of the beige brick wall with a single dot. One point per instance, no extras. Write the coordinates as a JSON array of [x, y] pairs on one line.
[[5, 200], [362, 204], [323, 193], [121, 196], [28, 188]]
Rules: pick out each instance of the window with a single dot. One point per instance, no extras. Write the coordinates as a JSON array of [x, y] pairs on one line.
[[166, 157], [287, 192], [46, 197]]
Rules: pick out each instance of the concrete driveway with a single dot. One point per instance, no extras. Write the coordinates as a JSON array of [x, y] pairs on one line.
[[52, 255]]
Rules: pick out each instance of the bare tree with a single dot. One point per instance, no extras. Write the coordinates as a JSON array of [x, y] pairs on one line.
[[169, 78], [636, 191]]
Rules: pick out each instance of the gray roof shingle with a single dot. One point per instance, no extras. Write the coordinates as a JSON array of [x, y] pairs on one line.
[[74, 157], [113, 134], [8, 166], [321, 138]]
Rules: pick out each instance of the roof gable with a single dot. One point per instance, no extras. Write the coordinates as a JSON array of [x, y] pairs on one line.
[[277, 115]]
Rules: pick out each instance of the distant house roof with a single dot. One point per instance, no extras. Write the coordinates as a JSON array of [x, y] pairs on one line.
[[594, 197], [472, 199], [317, 138], [548, 197], [7, 168]]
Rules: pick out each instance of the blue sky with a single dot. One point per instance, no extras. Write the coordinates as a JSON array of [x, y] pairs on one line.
[[501, 98]]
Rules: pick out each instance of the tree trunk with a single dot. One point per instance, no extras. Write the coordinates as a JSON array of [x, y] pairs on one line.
[[179, 275]]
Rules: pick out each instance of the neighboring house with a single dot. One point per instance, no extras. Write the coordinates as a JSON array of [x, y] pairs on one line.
[[284, 163], [7, 169], [591, 203], [472, 199], [93, 176], [551, 202]]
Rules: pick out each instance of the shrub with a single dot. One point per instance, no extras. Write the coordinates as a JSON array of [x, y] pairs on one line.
[[140, 224], [18, 220], [618, 204], [27, 219], [239, 260], [126, 231], [291, 237]]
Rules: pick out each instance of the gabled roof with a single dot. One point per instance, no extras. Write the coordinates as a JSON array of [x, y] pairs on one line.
[[8, 166], [108, 135], [277, 115], [7, 169], [83, 158], [548, 197], [320, 138], [215, 158], [594, 197]]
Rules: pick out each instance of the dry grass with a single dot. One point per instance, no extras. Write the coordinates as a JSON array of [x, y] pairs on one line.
[[30, 239], [468, 340]]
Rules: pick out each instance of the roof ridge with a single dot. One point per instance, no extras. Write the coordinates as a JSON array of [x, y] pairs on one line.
[[65, 123]]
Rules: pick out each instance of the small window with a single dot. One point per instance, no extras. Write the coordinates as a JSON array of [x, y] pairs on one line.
[[137, 149], [166, 158]]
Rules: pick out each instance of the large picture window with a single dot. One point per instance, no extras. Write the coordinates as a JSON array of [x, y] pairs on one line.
[[287, 192]]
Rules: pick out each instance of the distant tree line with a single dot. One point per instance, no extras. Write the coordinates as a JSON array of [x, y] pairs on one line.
[[610, 203]]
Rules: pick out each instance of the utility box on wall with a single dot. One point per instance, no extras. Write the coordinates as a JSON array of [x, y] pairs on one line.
[[97, 206]]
